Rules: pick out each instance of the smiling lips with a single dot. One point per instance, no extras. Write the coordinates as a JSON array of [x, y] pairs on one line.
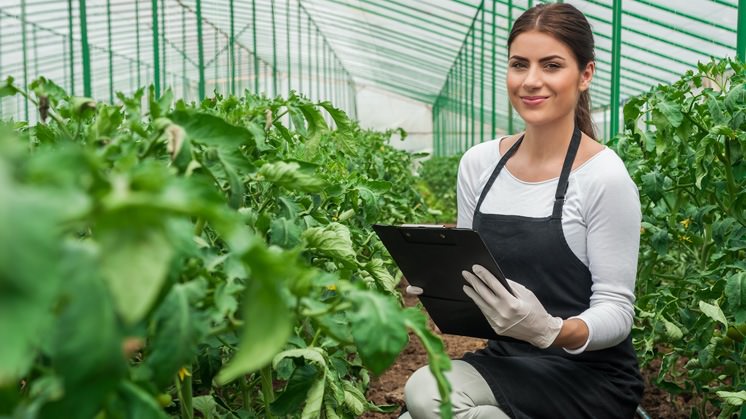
[[533, 100]]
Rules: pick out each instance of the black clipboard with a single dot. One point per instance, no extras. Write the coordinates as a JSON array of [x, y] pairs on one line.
[[432, 258]]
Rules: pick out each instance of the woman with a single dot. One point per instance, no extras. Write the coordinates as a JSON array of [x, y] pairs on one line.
[[561, 215]]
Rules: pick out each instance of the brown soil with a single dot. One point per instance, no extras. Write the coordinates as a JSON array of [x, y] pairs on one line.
[[389, 387]]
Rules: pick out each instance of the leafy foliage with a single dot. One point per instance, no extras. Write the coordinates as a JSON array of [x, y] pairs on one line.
[[437, 184], [175, 257], [684, 146]]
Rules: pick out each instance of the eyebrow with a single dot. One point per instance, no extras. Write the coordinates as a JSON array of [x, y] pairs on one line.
[[551, 57]]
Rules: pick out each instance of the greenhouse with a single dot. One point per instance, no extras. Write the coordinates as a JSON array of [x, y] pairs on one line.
[[188, 191]]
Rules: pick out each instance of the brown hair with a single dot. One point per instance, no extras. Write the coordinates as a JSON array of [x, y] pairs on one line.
[[568, 25]]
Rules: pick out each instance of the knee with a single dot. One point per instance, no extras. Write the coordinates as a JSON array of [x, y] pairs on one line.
[[421, 394]]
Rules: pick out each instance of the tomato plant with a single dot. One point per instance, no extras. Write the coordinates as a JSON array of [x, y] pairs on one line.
[[174, 257], [684, 146]]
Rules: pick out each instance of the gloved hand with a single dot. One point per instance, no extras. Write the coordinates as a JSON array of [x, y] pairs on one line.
[[522, 317], [415, 291]]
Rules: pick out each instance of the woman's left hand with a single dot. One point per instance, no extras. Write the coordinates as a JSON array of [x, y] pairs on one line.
[[521, 316]]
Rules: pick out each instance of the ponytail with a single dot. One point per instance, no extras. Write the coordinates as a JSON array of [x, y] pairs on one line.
[[583, 115]]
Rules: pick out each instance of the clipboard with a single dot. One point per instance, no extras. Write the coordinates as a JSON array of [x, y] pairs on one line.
[[432, 258]]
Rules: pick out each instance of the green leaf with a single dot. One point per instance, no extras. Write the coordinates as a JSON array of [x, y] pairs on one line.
[[284, 233], [378, 329], [206, 405], [438, 359], [736, 98], [291, 176], [267, 327], [9, 89], [315, 395], [332, 240], [31, 274], [316, 123], [314, 401], [714, 312], [382, 276], [139, 404], [108, 120], [292, 397], [672, 112], [87, 324], [134, 262], [731, 397], [354, 399], [716, 110], [735, 291], [177, 332], [236, 186], [259, 138], [211, 130], [673, 332], [339, 117]]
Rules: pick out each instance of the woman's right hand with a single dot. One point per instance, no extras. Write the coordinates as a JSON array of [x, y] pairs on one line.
[[413, 291]]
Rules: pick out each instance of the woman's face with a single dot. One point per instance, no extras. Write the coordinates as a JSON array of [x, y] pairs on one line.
[[543, 79]]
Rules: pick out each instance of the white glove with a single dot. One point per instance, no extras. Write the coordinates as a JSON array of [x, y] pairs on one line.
[[521, 317], [414, 291]]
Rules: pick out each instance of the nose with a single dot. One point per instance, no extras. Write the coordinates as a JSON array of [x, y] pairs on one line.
[[532, 81]]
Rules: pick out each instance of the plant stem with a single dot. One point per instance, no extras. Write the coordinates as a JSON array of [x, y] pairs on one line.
[[199, 226], [267, 390], [245, 393], [185, 396]]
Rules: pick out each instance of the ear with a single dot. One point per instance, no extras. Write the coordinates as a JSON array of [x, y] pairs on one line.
[[587, 75]]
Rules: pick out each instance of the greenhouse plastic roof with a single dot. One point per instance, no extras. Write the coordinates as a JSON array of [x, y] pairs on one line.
[[404, 46]]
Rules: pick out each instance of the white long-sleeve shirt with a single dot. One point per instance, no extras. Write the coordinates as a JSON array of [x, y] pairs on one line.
[[600, 220]]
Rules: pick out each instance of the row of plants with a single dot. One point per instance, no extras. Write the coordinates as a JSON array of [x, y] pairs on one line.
[[684, 146], [209, 259]]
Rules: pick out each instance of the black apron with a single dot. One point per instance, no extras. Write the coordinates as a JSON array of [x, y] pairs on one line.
[[529, 382]]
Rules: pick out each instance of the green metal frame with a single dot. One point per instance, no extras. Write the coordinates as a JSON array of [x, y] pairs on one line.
[[447, 55]]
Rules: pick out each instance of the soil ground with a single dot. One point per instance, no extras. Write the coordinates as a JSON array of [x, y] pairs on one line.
[[388, 388]]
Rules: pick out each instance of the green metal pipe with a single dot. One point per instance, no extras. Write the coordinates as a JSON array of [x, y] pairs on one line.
[[156, 53], [510, 106], [25, 55], [217, 63], [164, 58], [287, 38], [311, 69], [256, 55], [325, 58], [318, 80], [472, 81], [35, 41], [137, 42], [200, 53], [493, 71], [86, 54], [111, 55], [232, 42], [741, 36], [481, 76], [300, 53], [615, 66], [310, 58], [275, 91], [70, 49], [184, 83]]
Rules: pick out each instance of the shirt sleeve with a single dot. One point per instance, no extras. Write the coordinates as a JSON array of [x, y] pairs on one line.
[[613, 219]]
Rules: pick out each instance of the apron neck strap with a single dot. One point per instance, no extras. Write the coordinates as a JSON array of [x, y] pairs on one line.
[[559, 195], [498, 168]]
